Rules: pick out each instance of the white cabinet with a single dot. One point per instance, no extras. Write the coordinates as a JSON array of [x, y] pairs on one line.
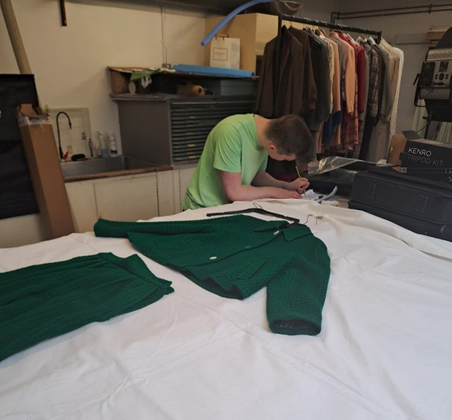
[[181, 181], [82, 201], [166, 202], [124, 198], [128, 198]]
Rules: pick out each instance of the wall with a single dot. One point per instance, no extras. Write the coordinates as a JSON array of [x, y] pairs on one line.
[[70, 62], [405, 32], [319, 9]]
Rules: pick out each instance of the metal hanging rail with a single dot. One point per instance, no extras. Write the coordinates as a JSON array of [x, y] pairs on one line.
[[392, 12], [324, 24]]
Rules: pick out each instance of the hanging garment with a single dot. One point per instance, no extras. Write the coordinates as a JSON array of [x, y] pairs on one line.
[[393, 127], [385, 101], [381, 79], [445, 133], [379, 142], [368, 86], [331, 133], [331, 67], [392, 77], [335, 76], [374, 80], [349, 69], [350, 125], [236, 256], [360, 69], [44, 301], [321, 73], [376, 89], [294, 92], [348, 132]]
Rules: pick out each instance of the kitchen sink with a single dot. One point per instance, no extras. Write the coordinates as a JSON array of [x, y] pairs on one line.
[[103, 165]]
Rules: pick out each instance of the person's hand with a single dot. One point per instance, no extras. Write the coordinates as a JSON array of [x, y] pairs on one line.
[[284, 193], [299, 185]]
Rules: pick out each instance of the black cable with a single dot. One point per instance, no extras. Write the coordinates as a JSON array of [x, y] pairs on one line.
[[255, 210]]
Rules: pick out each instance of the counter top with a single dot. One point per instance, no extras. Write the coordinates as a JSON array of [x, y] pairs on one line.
[[113, 174]]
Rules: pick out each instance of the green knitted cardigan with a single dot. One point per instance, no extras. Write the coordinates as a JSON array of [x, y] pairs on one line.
[[44, 301], [236, 256]]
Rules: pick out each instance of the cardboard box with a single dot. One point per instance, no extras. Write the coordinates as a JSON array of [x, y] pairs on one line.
[[45, 171], [396, 146], [427, 159], [120, 78]]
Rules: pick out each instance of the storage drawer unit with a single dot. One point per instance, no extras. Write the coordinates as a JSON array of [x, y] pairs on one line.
[[166, 129]]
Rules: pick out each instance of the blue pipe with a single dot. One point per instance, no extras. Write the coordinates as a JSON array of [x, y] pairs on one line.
[[229, 17]]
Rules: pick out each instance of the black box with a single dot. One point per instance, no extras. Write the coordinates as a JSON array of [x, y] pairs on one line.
[[427, 159], [420, 205], [17, 196]]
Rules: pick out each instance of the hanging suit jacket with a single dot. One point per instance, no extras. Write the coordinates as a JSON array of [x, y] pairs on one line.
[[349, 69], [236, 256], [294, 92], [320, 68]]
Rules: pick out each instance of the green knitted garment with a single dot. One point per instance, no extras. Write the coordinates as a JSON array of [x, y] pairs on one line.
[[44, 301], [236, 256]]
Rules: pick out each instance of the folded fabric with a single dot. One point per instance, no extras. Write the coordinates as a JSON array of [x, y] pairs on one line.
[[236, 256], [44, 301]]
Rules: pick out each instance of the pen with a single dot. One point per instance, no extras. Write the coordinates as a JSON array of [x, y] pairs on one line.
[[299, 176]]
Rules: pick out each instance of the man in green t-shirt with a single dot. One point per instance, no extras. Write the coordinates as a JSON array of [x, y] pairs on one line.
[[233, 163]]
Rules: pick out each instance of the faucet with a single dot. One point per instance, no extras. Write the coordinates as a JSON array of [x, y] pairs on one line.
[[91, 147], [58, 131]]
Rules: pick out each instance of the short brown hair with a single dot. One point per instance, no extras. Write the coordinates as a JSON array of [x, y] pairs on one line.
[[291, 136]]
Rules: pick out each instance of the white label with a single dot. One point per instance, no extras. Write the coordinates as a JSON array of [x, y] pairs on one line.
[[220, 54]]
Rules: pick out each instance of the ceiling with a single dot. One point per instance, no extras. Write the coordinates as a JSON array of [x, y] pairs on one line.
[[220, 7], [230, 5]]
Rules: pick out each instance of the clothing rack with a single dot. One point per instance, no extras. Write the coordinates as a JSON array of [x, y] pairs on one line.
[[314, 22], [323, 24]]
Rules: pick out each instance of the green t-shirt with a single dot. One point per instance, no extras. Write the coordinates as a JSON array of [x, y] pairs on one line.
[[231, 146]]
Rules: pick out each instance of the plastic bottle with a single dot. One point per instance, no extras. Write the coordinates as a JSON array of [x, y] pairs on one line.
[[103, 147], [113, 146]]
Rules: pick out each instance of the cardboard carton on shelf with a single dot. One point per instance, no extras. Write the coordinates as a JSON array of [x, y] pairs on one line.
[[45, 171], [120, 78]]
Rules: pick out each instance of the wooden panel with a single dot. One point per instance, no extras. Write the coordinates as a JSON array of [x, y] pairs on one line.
[[82, 201], [434, 36], [43, 162], [127, 199]]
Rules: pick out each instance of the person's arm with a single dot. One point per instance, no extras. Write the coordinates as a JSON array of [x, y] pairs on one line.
[[235, 191], [263, 178]]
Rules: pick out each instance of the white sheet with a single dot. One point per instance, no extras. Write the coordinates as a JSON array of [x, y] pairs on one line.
[[385, 350]]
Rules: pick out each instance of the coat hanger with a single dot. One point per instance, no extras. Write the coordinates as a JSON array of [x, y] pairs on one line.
[[312, 35]]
